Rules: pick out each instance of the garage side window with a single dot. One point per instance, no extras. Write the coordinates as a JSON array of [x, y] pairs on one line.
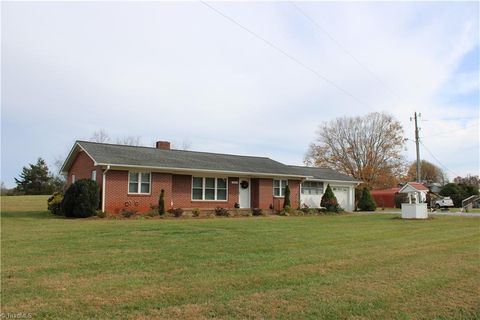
[[312, 188]]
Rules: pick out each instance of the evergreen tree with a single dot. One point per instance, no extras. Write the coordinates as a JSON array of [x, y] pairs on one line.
[[329, 201], [161, 203], [366, 202], [81, 199], [35, 179], [286, 201]]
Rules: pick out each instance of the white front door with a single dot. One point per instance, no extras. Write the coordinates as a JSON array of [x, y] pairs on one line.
[[244, 192]]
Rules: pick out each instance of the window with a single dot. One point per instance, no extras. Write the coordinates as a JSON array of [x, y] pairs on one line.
[[213, 189], [279, 187], [339, 189], [312, 187], [94, 175], [139, 182], [73, 178]]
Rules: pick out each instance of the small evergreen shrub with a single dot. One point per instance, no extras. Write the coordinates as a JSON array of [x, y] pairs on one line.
[[196, 212], [221, 212], [151, 213], [100, 214], [55, 204], [329, 201], [177, 212], [286, 201], [128, 213], [81, 199], [285, 211], [161, 203], [257, 212], [366, 202]]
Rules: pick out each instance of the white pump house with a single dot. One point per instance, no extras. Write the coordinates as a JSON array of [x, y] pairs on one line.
[[416, 208]]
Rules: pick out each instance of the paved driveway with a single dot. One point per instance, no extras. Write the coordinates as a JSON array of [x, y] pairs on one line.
[[438, 213]]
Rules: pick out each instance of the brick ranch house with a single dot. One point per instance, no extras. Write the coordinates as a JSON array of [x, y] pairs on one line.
[[131, 177]]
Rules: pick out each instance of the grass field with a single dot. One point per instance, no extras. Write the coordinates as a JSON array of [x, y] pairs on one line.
[[322, 267]]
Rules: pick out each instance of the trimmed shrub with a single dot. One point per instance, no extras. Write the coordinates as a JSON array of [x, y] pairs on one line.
[[151, 213], [366, 202], [286, 201], [127, 213], [221, 212], [81, 199], [329, 201], [177, 212], [196, 212], [100, 214], [55, 204], [257, 212], [161, 203]]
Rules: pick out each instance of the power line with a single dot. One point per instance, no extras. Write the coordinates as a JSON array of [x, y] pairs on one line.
[[366, 68], [286, 54], [438, 161]]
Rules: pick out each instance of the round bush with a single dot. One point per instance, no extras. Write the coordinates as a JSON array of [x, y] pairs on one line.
[[81, 199], [55, 204]]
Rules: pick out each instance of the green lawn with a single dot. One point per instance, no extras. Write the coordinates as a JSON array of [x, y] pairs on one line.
[[330, 267]]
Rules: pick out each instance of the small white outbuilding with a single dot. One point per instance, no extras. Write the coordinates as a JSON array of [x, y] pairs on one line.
[[416, 208]]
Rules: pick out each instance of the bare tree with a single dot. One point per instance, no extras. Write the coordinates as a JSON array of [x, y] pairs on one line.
[[429, 171], [468, 180], [100, 136], [368, 148], [184, 145], [130, 141]]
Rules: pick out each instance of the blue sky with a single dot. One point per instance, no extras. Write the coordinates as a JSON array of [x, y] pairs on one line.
[[179, 71]]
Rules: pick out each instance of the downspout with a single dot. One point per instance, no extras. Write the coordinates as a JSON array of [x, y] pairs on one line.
[[104, 182]]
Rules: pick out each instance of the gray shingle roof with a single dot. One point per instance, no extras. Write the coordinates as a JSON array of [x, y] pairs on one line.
[[114, 154], [321, 173]]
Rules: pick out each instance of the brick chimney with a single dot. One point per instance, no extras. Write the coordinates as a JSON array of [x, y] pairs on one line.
[[164, 145]]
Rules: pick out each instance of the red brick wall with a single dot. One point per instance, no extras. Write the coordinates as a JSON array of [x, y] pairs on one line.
[[182, 194], [117, 197], [262, 194], [82, 168]]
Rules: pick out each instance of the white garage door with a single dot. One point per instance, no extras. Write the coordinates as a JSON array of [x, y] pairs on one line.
[[342, 196]]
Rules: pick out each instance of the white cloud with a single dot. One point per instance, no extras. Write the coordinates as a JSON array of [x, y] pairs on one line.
[[180, 71]]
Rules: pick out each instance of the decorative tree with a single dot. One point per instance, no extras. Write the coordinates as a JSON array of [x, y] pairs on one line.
[[286, 201], [366, 202], [329, 201], [161, 203]]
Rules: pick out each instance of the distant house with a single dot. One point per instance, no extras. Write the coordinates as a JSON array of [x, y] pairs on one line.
[[132, 177], [387, 197]]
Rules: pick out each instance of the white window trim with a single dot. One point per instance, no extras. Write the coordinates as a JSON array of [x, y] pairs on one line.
[[203, 189], [94, 175], [73, 178], [139, 183], [282, 190], [322, 188]]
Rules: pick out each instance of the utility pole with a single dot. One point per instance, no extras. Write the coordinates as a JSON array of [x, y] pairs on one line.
[[417, 143]]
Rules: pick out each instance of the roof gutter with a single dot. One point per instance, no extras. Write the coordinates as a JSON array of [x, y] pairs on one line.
[[205, 171], [104, 183]]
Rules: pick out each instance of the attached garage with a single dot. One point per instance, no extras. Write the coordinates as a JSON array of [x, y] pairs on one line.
[[343, 196], [312, 189]]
